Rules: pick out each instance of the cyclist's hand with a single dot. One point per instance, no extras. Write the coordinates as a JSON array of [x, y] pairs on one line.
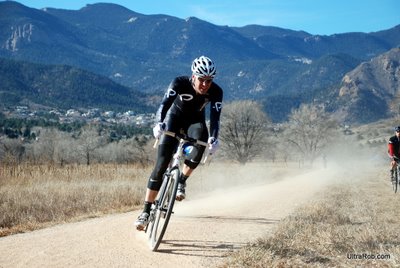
[[213, 145], [158, 130]]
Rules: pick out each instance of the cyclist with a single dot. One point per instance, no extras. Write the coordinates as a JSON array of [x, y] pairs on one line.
[[394, 150], [183, 109]]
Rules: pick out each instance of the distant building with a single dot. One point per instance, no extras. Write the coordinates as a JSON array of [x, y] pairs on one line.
[[72, 113]]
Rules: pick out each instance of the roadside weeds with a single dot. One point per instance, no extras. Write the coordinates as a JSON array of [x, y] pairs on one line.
[[353, 223]]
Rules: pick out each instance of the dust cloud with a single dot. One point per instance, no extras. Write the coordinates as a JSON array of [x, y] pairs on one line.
[[226, 184]]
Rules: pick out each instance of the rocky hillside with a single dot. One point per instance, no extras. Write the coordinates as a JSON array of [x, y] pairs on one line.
[[372, 90]]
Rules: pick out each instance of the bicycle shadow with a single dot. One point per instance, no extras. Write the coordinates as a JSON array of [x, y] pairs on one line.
[[210, 248], [199, 248], [242, 219]]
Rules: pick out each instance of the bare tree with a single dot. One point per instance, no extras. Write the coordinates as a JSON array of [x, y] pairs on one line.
[[243, 128], [44, 148], [51, 146], [90, 139], [133, 150], [65, 151], [11, 150], [309, 130]]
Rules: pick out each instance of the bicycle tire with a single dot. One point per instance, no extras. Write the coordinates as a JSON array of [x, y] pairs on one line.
[[163, 210], [395, 182], [397, 178]]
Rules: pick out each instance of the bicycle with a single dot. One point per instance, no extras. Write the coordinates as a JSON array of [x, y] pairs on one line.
[[162, 208], [396, 174]]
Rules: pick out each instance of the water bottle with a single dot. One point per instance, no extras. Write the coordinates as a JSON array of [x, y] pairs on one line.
[[187, 149]]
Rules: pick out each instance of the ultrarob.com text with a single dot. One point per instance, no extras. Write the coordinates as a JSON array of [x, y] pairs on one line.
[[367, 256]]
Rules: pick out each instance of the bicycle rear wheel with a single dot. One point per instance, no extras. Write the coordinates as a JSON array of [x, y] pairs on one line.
[[163, 209], [395, 182]]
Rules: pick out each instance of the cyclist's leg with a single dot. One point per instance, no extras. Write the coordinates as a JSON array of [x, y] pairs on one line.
[[198, 131], [166, 149], [165, 152], [393, 169]]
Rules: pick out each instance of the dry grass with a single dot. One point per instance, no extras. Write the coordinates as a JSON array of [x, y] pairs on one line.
[[33, 197], [37, 196], [353, 224]]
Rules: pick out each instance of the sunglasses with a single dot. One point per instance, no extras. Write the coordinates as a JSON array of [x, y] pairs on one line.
[[205, 80]]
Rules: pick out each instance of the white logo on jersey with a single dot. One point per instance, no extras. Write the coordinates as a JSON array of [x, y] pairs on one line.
[[171, 92], [218, 106], [186, 97]]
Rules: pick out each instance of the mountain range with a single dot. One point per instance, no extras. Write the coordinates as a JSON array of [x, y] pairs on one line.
[[279, 67], [65, 87]]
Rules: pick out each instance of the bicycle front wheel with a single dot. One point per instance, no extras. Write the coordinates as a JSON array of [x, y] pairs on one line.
[[163, 209]]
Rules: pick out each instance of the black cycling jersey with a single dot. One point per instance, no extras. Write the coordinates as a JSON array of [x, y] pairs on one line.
[[394, 147], [182, 98], [183, 109]]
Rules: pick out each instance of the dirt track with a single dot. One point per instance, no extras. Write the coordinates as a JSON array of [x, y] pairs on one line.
[[201, 232]]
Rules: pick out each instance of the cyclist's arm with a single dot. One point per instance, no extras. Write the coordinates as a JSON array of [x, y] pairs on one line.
[[390, 150], [215, 113], [167, 101]]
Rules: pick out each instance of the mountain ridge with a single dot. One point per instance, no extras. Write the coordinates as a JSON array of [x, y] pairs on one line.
[[144, 52], [65, 87]]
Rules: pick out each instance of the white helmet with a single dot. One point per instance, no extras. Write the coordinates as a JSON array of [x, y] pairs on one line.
[[203, 66]]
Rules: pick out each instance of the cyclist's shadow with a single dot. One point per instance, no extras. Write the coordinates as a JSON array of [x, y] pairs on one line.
[[206, 248], [210, 248]]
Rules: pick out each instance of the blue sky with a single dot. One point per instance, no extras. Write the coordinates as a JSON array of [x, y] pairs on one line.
[[324, 17]]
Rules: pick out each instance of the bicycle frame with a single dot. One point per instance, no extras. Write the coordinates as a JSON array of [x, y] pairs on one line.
[[163, 206]]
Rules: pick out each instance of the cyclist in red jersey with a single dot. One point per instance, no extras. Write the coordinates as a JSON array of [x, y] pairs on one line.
[[183, 109], [394, 150]]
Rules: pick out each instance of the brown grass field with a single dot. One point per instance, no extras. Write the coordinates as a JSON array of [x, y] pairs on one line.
[[33, 197]]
